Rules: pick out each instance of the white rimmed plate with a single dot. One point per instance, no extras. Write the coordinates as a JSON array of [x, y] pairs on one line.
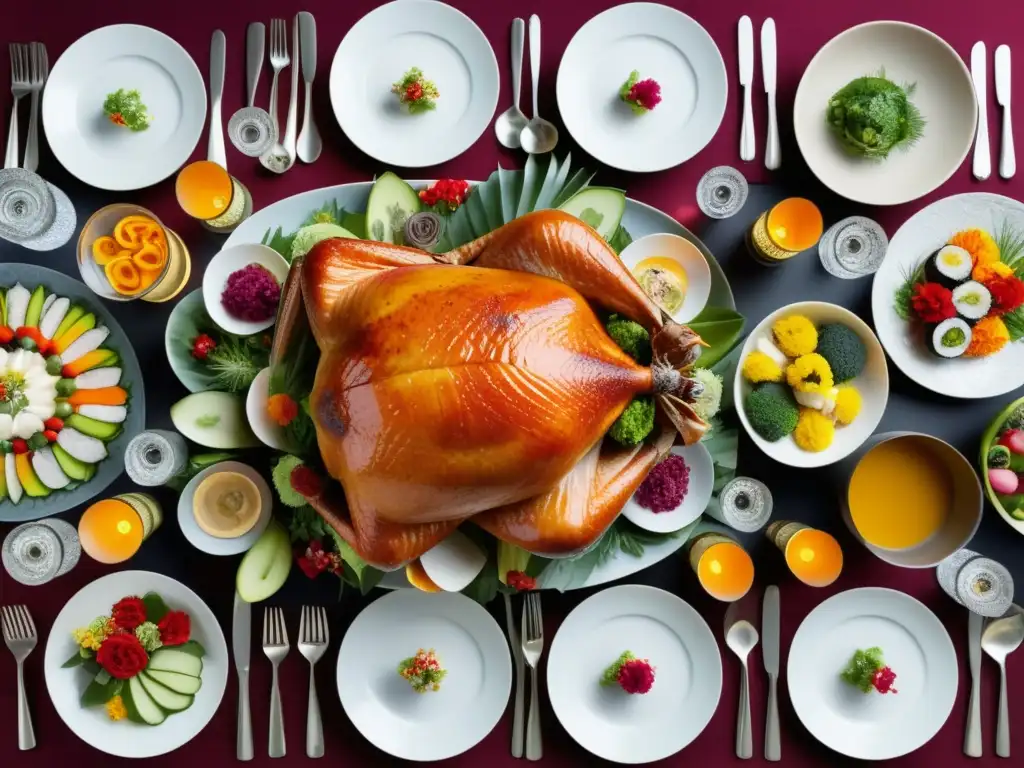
[[654, 625], [126, 56], [873, 385], [65, 686], [221, 267], [213, 545], [438, 724], [915, 645], [378, 50], [921, 235], [684, 253], [266, 429], [661, 43], [698, 494], [944, 94]]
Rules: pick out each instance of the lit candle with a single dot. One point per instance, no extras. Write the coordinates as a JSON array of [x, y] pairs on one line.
[[813, 556], [209, 193], [723, 567], [790, 227], [110, 531]]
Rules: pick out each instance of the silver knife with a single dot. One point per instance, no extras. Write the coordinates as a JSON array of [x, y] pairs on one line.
[[746, 47], [1007, 157], [772, 151], [255, 44], [972, 735], [979, 74], [218, 54], [517, 656], [310, 145], [290, 137], [770, 621], [241, 638]]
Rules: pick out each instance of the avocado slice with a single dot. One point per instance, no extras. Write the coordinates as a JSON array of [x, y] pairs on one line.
[[101, 430], [70, 319], [80, 326], [73, 468], [35, 307], [30, 482]]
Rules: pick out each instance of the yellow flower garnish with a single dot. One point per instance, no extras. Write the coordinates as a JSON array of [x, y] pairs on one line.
[[848, 404], [978, 243], [116, 709], [759, 367], [795, 335], [810, 373], [988, 336], [814, 431], [990, 269]]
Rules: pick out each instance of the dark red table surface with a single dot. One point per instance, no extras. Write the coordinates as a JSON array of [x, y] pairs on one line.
[[803, 26]]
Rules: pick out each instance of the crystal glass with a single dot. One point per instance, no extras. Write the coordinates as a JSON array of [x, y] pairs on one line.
[[155, 456], [721, 192], [251, 130], [27, 206], [69, 542], [977, 583], [32, 554], [853, 247], [61, 229], [744, 504]]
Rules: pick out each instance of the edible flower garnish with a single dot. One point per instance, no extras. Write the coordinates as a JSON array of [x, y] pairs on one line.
[[416, 92], [520, 581], [988, 336], [423, 671], [979, 243], [641, 95], [665, 486], [282, 409], [631, 674], [795, 335], [810, 373], [814, 430], [116, 709], [125, 108], [1007, 294], [933, 303], [867, 671], [758, 367], [445, 194]]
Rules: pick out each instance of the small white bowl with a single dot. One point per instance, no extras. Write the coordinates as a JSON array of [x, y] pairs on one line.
[[873, 385], [698, 494], [266, 429], [212, 545], [688, 256], [223, 265]]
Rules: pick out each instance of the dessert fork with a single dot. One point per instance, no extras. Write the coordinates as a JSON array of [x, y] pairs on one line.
[[20, 636], [40, 71], [314, 637], [533, 647], [275, 646], [21, 85]]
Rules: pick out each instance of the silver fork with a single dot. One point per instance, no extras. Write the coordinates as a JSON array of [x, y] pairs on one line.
[[277, 158], [275, 646], [20, 86], [40, 70], [20, 636], [533, 647], [314, 637]]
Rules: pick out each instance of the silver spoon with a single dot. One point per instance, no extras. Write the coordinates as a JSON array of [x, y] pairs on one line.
[[741, 637], [310, 145], [539, 135], [251, 129], [1001, 638], [511, 122]]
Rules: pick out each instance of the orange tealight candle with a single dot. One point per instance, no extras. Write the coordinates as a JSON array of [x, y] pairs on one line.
[[110, 531], [813, 556], [790, 227], [723, 567]]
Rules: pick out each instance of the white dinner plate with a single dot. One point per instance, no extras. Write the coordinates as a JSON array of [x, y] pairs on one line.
[[915, 645], [653, 625], [214, 545], [126, 56], [698, 494], [944, 94], [661, 43], [452, 52], [124, 738], [921, 235], [226, 263], [434, 725]]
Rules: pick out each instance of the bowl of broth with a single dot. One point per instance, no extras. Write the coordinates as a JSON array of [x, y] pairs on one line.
[[911, 499]]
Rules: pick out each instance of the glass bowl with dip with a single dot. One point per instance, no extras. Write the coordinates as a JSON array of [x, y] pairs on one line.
[[672, 272], [911, 499], [224, 509]]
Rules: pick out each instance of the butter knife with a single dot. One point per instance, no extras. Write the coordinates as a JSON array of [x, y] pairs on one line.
[[310, 145], [241, 636], [770, 621], [255, 44], [1007, 157], [746, 48], [293, 98], [218, 54], [517, 656], [972, 735], [979, 74], [772, 151]]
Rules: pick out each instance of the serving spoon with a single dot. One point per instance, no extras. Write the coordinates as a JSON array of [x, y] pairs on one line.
[[510, 123], [539, 135], [741, 637], [1001, 638]]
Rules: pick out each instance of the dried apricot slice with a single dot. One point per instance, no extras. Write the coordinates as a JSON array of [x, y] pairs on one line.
[[124, 276], [149, 258], [104, 249], [128, 233]]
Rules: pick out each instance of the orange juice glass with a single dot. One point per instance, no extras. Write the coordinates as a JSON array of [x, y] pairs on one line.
[[723, 567], [206, 191], [813, 556], [788, 228]]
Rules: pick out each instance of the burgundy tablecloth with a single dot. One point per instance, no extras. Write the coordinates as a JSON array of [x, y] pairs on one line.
[[803, 26]]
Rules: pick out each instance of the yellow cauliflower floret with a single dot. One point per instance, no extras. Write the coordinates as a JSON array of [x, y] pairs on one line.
[[848, 404], [759, 367], [814, 431], [795, 335], [810, 373]]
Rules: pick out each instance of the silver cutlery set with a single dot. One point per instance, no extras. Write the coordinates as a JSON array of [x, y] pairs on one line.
[[29, 70], [527, 646], [773, 149], [314, 637], [536, 135], [982, 165], [997, 638]]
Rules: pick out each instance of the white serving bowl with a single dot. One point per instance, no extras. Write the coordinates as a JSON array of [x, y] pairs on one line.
[[266, 429], [215, 279], [698, 494], [872, 383], [684, 253]]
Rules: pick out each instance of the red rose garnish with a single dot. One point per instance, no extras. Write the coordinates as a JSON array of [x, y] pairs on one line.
[[883, 680], [646, 93], [452, 192], [1007, 294], [128, 613], [933, 303], [175, 628], [122, 655], [636, 676], [306, 482], [519, 581]]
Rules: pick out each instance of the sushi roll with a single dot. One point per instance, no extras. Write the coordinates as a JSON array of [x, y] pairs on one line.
[[972, 301], [949, 266], [950, 338]]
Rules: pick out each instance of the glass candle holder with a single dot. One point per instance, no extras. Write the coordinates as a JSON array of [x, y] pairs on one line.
[[723, 567], [251, 130], [111, 531], [721, 192], [155, 456], [813, 556], [853, 247], [978, 583], [744, 504], [785, 230], [207, 192], [32, 554]]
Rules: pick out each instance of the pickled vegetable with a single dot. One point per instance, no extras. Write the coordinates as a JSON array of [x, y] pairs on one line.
[[151, 258], [105, 249], [124, 276]]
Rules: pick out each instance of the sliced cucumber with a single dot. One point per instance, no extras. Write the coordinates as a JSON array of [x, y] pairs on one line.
[[48, 470], [140, 704], [169, 660], [391, 202], [17, 305], [14, 489], [112, 414], [84, 344], [215, 420], [69, 319], [185, 684], [599, 207], [98, 378], [34, 311], [165, 698], [85, 448], [72, 467], [93, 428]]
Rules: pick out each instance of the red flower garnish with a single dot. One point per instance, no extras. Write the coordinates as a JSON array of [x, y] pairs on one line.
[[883, 680], [636, 676], [202, 346], [117, 119], [519, 581], [414, 91], [646, 93], [933, 303], [315, 560], [128, 613], [452, 192], [122, 655], [175, 628], [306, 482], [1007, 294]]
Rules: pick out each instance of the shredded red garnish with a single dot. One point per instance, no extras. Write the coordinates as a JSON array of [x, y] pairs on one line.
[[883, 680], [646, 93], [117, 119], [636, 676], [282, 409]]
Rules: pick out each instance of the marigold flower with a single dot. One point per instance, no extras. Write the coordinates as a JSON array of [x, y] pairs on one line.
[[795, 335], [116, 709], [810, 373], [758, 367], [988, 336], [814, 431]]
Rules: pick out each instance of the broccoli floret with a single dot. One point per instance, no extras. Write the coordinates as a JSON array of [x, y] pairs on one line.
[[844, 351], [1016, 419], [872, 115], [772, 411], [998, 457], [634, 340], [635, 423]]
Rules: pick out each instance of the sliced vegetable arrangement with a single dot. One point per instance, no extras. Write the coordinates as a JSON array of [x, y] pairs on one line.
[[61, 397]]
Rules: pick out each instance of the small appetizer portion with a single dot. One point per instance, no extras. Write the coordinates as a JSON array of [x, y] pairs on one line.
[[871, 116], [423, 671], [125, 108], [641, 95], [867, 672], [133, 256], [252, 293], [633, 675], [415, 92], [665, 487]]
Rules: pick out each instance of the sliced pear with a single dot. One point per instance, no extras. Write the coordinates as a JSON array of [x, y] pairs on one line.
[[17, 305], [14, 489], [48, 470], [53, 317], [84, 344]]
